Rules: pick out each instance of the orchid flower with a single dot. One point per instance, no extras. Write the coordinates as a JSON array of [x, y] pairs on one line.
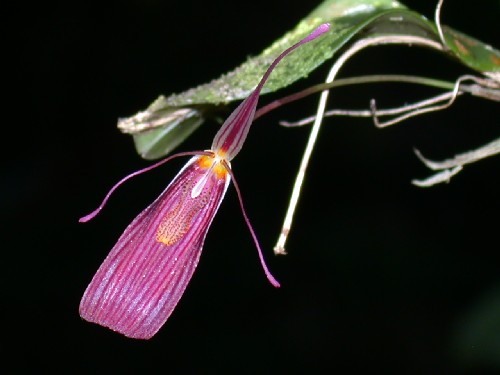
[[142, 279]]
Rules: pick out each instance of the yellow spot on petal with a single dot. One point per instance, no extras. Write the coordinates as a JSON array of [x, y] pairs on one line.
[[173, 227], [207, 162], [220, 171]]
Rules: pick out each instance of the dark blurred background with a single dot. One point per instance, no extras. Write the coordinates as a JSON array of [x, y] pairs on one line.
[[381, 276]]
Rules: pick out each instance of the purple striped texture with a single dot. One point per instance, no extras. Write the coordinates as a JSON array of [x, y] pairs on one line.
[[142, 279]]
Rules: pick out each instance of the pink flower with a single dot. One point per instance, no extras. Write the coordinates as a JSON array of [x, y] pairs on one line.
[[141, 280]]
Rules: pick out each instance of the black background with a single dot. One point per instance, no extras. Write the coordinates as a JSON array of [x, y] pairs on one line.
[[381, 276]]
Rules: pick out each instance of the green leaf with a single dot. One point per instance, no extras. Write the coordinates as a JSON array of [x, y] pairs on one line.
[[473, 53], [169, 120], [159, 141]]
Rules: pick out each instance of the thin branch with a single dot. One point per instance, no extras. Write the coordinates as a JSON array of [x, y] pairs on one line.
[[450, 167], [482, 152], [376, 78], [437, 21], [443, 176], [420, 109], [370, 112], [483, 88]]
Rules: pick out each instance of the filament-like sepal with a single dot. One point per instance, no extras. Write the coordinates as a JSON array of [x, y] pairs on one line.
[[269, 276], [94, 213]]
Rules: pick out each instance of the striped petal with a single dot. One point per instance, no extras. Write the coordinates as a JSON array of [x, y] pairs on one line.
[[142, 279]]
